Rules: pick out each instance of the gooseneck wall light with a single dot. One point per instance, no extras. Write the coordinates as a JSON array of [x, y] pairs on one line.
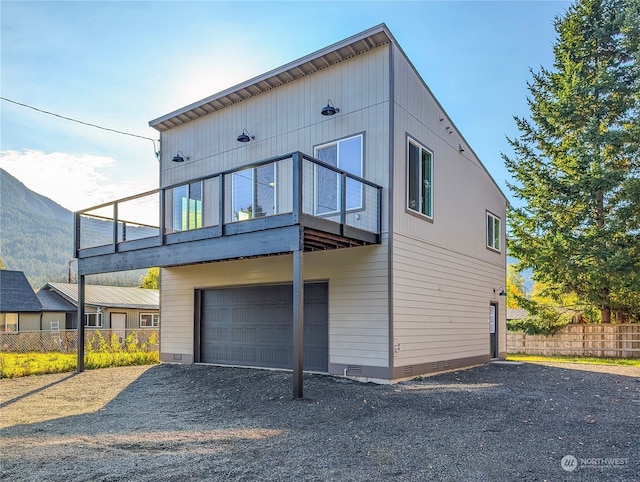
[[329, 109], [180, 157], [245, 136]]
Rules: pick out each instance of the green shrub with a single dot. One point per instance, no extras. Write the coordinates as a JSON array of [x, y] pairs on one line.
[[13, 365]]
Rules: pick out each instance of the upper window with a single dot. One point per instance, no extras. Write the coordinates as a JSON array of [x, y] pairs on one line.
[[149, 320], [93, 320], [494, 232], [8, 322], [420, 182], [254, 192], [187, 207], [345, 154]]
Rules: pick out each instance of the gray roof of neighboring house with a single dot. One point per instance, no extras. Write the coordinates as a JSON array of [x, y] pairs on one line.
[[16, 294], [109, 296], [516, 313], [52, 301]]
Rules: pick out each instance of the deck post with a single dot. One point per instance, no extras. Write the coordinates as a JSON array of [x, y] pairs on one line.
[[298, 320], [81, 286]]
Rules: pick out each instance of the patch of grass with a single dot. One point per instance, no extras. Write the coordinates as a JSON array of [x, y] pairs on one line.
[[13, 365], [629, 362]]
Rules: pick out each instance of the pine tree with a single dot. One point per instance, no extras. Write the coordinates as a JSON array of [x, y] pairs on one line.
[[576, 166]]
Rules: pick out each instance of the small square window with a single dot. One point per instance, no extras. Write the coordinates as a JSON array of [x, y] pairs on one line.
[[149, 320], [93, 320]]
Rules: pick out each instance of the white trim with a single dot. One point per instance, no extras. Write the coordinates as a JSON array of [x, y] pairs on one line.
[[495, 218], [155, 316]]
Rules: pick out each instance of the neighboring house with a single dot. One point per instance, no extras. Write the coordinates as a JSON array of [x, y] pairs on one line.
[[57, 313], [109, 307], [366, 219], [20, 308]]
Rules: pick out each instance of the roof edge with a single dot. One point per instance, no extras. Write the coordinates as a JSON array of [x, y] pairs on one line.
[[380, 28]]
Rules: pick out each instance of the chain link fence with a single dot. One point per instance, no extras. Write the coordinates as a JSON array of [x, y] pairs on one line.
[[66, 341]]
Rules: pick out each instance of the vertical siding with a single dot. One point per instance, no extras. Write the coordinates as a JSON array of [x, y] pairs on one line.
[[443, 274], [288, 119], [358, 308]]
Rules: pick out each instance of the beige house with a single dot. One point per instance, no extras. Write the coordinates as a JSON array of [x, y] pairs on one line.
[[106, 307], [331, 200]]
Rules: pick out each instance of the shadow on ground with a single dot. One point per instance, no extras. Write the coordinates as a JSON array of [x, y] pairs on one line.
[[494, 422]]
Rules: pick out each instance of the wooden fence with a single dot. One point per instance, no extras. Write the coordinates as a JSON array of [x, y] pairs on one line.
[[614, 341]]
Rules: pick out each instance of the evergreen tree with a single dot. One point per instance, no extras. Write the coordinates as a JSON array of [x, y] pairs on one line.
[[577, 161]]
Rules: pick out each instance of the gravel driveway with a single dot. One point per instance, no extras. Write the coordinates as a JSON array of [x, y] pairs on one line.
[[173, 423]]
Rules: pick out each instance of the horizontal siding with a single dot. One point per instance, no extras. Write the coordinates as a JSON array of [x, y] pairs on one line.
[[463, 191], [358, 298], [441, 303]]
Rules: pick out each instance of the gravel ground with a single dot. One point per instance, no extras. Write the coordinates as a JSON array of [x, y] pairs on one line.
[[190, 422]]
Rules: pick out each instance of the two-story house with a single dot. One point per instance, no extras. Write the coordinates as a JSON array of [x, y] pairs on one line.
[[326, 215]]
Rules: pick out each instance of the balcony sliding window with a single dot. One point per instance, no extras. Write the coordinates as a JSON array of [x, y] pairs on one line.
[[187, 207], [420, 181], [254, 192], [345, 154]]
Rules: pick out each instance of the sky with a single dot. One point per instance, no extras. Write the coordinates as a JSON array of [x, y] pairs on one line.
[[120, 64]]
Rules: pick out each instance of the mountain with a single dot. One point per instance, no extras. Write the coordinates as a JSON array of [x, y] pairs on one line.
[[36, 237]]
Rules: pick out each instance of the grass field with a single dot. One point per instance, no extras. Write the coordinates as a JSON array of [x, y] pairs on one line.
[[632, 362]]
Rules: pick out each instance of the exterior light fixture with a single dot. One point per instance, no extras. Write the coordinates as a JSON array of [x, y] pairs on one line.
[[329, 109], [502, 291], [245, 136], [460, 147], [180, 157]]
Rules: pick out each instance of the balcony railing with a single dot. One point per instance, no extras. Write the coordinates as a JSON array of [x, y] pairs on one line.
[[290, 189]]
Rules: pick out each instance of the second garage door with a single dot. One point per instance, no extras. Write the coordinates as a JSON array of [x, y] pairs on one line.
[[253, 326]]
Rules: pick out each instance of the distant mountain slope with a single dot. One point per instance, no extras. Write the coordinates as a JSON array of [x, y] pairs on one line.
[[36, 236]]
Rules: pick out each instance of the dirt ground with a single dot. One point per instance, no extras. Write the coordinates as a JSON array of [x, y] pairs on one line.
[[176, 422]]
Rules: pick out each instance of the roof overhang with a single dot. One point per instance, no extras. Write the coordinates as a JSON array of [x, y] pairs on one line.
[[321, 59]]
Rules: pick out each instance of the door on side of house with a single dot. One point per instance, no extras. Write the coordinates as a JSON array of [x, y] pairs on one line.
[[253, 326], [119, 324], [493, 330]]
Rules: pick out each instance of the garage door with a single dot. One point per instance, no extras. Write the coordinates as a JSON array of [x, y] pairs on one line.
[[253, 326]]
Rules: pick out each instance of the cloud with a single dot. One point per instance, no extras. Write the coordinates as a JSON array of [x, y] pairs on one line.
[[75, 181]]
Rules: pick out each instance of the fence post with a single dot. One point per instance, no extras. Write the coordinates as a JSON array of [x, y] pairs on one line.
[[81, 283]]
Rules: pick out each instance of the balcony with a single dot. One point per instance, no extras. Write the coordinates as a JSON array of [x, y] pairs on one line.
[[275, 206]]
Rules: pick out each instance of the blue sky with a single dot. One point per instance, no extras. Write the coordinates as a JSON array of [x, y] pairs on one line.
[[121, 64]]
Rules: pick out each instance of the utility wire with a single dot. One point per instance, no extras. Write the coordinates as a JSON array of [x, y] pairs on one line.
[[84, 123]]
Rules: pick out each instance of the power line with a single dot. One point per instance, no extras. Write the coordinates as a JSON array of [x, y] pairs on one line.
[[84, 123]]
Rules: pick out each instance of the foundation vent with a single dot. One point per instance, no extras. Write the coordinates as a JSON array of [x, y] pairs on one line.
[[446, 363], [177, 357], [408, 370], [354, 370], [435, 365]]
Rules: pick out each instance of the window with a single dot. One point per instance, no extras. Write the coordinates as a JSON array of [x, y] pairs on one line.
[[149, 320], [494, 232], [93, 320], [187, 207], [345, 154], [254, 192], [8, 322], [420, 182]]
